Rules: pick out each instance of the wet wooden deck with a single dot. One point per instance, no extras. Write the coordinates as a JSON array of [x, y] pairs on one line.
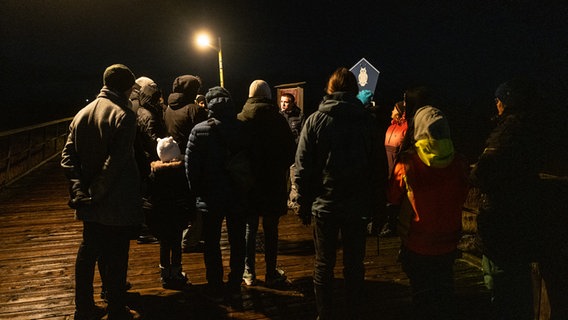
[[39, 239]]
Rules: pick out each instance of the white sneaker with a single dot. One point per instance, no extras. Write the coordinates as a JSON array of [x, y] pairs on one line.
[[249, 278]]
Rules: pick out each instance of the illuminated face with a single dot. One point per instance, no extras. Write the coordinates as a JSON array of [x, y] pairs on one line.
[[285, 103]]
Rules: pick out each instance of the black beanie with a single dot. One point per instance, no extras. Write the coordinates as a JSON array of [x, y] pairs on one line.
[[118, 77]]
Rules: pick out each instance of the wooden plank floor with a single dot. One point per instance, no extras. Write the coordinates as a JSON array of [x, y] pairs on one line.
[[39, 239]]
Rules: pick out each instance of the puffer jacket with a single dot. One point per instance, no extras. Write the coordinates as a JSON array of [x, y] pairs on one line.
[[340, 160], [99, 152], [206, 155], [393, 140], [272, 154]]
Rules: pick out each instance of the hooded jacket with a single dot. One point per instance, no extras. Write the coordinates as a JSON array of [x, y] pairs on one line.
[[150, 124], [434, 180], [340, 161], [272, 154], [182, 114], [206, 153], [99, 152]]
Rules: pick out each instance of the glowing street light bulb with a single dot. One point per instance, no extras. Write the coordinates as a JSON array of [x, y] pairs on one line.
[[203, 40]]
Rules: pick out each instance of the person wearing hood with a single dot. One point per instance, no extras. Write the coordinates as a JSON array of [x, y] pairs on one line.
[[341, 178], [180, 116], [135, 95], [98, 159], [430, 185], [272, 154], [210, 145], [149, 127]]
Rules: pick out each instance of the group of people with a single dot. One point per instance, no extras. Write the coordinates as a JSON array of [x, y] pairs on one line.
[[134, 159]]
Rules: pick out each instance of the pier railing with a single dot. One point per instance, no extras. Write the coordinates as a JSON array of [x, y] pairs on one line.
[[24, 149]]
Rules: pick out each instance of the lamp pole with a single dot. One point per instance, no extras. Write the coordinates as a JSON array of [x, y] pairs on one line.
[[221, 64]]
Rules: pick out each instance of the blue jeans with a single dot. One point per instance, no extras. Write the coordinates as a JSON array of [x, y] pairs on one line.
[[109, 246], [270, 228]]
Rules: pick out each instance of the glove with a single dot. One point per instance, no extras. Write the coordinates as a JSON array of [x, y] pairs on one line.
[[78, 197], [305, 214]]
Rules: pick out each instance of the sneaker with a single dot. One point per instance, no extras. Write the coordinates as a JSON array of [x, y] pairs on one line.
[[249, 278], [94, 313], [147, 239], [276, 279]]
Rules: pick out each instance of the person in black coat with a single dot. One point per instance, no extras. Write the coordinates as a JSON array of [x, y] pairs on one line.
[[272, 154], [209, 146]]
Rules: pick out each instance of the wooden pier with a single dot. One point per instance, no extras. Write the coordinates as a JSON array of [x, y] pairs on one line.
[[39, 239]]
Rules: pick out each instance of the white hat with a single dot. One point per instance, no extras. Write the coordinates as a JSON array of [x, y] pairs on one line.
[[168, 149]]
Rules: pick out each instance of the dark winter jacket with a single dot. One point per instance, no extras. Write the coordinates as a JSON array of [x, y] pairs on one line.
[[169, 195], [272, 154], [150, 125], [295, 118], [99, 152], [340, 162], [182, 114], [507, 176], [206, 154]]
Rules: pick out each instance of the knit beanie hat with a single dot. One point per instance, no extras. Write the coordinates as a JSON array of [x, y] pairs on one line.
[[168, 150], [260, 89], [118, 77]]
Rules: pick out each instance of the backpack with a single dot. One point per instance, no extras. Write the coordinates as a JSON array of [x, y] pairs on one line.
[[237, 164]]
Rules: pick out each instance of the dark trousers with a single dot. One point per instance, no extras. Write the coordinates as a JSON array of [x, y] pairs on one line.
[[326, 240], [511, 289], [109, 246], [432, 282], [170, 247], [212, 225], [270, 229]]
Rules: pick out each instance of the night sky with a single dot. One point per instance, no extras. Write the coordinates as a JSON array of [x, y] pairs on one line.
[[54, 51]]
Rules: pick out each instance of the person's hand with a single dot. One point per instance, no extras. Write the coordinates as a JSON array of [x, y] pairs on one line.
[[78, 197]]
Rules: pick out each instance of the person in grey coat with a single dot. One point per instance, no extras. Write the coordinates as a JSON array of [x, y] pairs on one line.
[[98, 159]]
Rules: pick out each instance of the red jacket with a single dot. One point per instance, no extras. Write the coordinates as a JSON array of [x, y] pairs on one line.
[[437, 196], [393, 139]]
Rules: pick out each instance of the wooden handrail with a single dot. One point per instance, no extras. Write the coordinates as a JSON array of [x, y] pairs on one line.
[[24, 149]]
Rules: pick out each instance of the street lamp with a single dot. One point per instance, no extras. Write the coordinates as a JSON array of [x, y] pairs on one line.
[[203, 40]]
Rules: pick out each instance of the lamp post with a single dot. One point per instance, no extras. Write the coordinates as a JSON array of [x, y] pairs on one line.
[[203, 40]]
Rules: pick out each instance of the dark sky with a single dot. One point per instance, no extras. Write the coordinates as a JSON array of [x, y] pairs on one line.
[[54, 51]]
